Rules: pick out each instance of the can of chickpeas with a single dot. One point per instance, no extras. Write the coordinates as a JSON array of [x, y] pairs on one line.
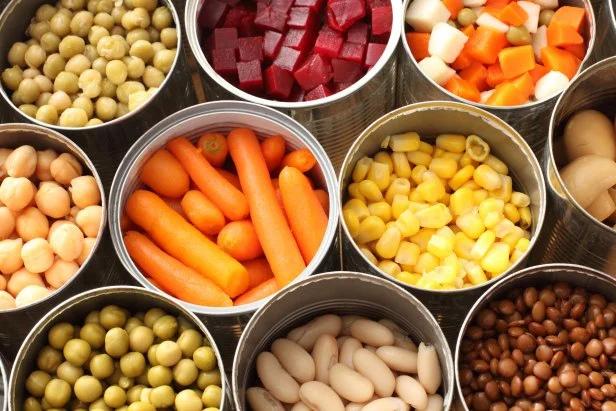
[[396, 231], [415, 86], [329, 304]]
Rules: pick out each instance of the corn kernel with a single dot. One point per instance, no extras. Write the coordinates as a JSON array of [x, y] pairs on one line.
[[415, 196], [415, 206], [513, 237], [516, 256], [491, 205], [480, 195], [453, 156], [476, 148], [372, 245], [402, 168], [422, 237], [504, 192], [511, 213], [440, 246], [397, 186], [388, 244], [419, 158], [462, 176], [417, 174], [351, 221], [435, 216], [404, 142], [472, 185], [426, 263], [381, 209], [455, 143], [443, 167], [471, 225], [486, 177], [445, 199], [379, 174], [496, 164], [461, 201], [430, 191], [426, 147], [370, 229], [505, 268], [454, 262], [466, 160], [482, 245], [463, 245], [407, 254], [447, 233], [368, 254], [438, 152], [359, 208], [525, 218], [503, 228], [408, 278], [428, 284], [520, 199], [383, 157], [353, 190], [492, 218], [392, 178], [370, 191], [442, 275], [475, 273], [408, 223], [385, 142], [523, 244], [399, 204], [361, 169], [389, 267], [406, 267], [496, 259]]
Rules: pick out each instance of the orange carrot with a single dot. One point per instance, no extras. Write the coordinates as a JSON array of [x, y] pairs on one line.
[[515, 61], [306, 216], [274, 234], [125, 223], [524, 84], [164, 174], [160, 287], [240, 241], [214, 148], [560, 60], [280, 203], [302, 159], [505, 94], [493, 9], [485, 44], [538, 72], [175, 203], [183, 241], [260, 292], [259, 271], [454, 7], [468, 30], [570, 16], [513, 14], [202, 212], [560, 34], [273, 149], [463, 61], [418, 44], [323, 198], [173, 276], [230, 177], [476, 74], [463, 89], [275, 183], [578, 50], [229, 199], [495, 75]]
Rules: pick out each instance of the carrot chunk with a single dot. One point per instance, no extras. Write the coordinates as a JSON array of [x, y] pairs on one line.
[[418, 43], [485, 44], [578, 50], [515, 61], [505, 95], [524, 84], [463, 89], [560, 60], [513, 14], [538, 72], [454, 7], [495, 75], [476, 74], [570, 16], [560, 35]]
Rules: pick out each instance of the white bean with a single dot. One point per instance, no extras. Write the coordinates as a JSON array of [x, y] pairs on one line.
[[276, 380], [428, 368], [435, 403], [403, 341], [398, 359], [370, 348], [354, 406], [320, 397], [387, 404], [373, 368], [325, 355], [294, 359], [296, 333], [347, 321], [392, 326], [411, 391], [300, 406], [371, 333], [349, 384], [307, 335], [341, 340], [260, 399], [347, 350]]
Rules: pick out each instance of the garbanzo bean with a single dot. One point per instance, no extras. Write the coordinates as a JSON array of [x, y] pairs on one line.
[[17, 54], [135, 67], [153, 77], [54, 65], [73, 117], [71, 46], [161, 18], [77, 64], [7, 223], [142, 49], [37, 29], [12, 77], [61, 272], [116, 72], [108, 89], [81, 23], [37, 255], [35, 56], [28, 90], [105, 108], [169, 37], [67, 241], [31, 224], [111, 48], [60, 24], [67, 82], [60, 101], [65, 168], [31, 72], [21, 162], [53, 200], [163, 60], [104, 20], [44, 84], [16, 193], [90, 52], [137, 34], [28, 109], [43, 99], [43, 161], [22, 278], [50, 42], [85, 104], [95, 35], [45, 12], [154, 34]]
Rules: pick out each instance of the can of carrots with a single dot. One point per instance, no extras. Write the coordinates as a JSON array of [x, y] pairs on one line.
[[221, 205]]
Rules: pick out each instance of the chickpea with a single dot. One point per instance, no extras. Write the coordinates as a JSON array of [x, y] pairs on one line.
[[57, 224], [108, 89], [28, 109], [53, 200], [30, 295], [35, 56], [60, 100], [17, 54], [67, 82], [31, 73], [43, 161], [116, 72], [89, 220], [154, 34], [118, 30], [7, 223], [16, 193], [32, 42], [37, 29], [135, 67], [65, 168], [22, 278], [6, 303], [100, 64], [161, 18], [37, 255], [43, 99], [21, 162], [163, 60], [67, 241], [64, 10], [158, 46], [44, 84], [84, 191], [142, 49], [12, 77], [61, 272], [31, 224], [149, 5], [90, 52], [128, 88], [104, 6], [16, 98], [137, 34], [122, 110], [4, 154], [73, 4], [136, 99], [73, 117], [28, 90], [50, 42], [60, 24], [45, 12], [78, 64], [95, 35], [94, 122], [90, 82], [54, 65], [111, 48], [10, 256], [81, 23], [104, 20], [117, 13], [106, 108], [47, 114], [88, 246]]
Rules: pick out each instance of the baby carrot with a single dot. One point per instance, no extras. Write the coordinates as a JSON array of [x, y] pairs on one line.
[[270, 224], [261, 291], [214, 148], [156, 284], [175, 203], [183, 241], [229, 199], [164, 174], [301, 159], [323, 198], [306, 217], [259, 271], [230, 177], [273, 149], [171, 275], [240, 241], [202, 212]]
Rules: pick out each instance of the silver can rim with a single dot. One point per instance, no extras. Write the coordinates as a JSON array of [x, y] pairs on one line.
[[190, 18], [83, 158], [176, 19], [4, 376], [150, 136], [613, 13], [497, 122], [591, 45], [505, 283]]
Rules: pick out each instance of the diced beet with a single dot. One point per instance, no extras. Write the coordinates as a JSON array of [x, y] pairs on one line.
[[282, 5], [270, 18], [278, 82], [250, 48], [381, 20], [225, 38], [317, 93], [272, 41], [247, 27], [234, 17], [300, 17], [341, 14], [224, 61], [346, 71], [352, 52], [297, 95], [212, 13], [379, 38], [299, 39], [358, 33], [375, 4], [230, 2], [288, 59], [373, 54], [249, 74], [329, 42], [338, 87], [315, 5], [315, 71]]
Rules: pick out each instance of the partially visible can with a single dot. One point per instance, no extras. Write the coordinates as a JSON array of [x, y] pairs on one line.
[[606, 30], [528, 120], [342, 293], [4, 385], [336, 120], [430, 119]]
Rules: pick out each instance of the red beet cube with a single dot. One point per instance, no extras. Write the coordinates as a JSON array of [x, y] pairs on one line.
[[272, 41], [249, 74], [346, 71], [338, 87], [282, 5], [375, 4], [278, 82], [224, 61], [381, 20], [329, 42], [341, 14], [212, 13], [315, 71], [234, 17], [300, 17], [231, 2], [358, 33], [250, 48], [352, 52], [315, 5], [317, 93], [297, 95], [247, 27], [299, 39], [225, 38], [270, 18], [373, 54], [288, 59]]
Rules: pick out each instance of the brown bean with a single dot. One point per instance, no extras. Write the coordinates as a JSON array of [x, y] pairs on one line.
[[531, 385], [507, 368], [594, 348], [526, 343], [568, 379], [544, 353], [609, 345], [554, 385], [542, 370], [577, 351]]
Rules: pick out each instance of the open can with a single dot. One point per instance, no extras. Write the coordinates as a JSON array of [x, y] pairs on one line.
[[4, 385], [606, 30], [430, 119]]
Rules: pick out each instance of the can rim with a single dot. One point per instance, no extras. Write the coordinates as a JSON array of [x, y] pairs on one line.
[[506, 283], [149, 137], [591, 44], [5, 15], [83, 158], [613, 13], [190, 17], [5, 383], [496, 121]]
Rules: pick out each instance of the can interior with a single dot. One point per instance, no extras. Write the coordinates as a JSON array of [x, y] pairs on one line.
[[4, 399]]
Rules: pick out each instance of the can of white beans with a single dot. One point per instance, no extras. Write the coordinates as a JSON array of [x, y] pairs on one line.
[[338, 293]]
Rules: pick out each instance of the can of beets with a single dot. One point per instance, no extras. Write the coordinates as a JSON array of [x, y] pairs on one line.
[[335, 120]]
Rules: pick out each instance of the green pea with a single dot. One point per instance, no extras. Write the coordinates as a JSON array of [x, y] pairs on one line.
[[545, 17], [518, 36], [466, 17]]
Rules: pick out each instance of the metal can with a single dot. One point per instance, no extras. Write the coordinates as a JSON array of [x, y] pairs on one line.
[[343, 293], [415, 86], [226, 324], [577, 237], [4, 384], [15, 135], [578, 276], [430, 119], [606, 30], [336, 120], [73, 311]]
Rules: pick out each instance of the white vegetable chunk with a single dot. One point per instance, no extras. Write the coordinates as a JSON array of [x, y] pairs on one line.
[[423, 15], [540, 40], [485, 95], [552, 83], [435, 69], [487, 20], [533, 10], [446, 42], [474, 3], [547, 4]]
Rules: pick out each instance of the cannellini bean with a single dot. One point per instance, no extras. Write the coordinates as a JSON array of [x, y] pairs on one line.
[[392, 326], [43, 161], [21, 279], [349, 384], [88, 245], [347, 321], [21, 162], [37, 255], [65, 168], [300, 406], [60, 272], [260, 399], [276, 380], [373, 368], [6, 301], [588, 176], [16, 193], [603, 206], [428, 368], [84, 191], [341, 340], [7, 223], [589, 132], [67, 241], [349, 346], [370, 348], [371, 333], [403, 341], [398, 359], [325, 355], [89, 220], [320, 397], [10, 256], [31, 294], [387, 404], [354, 406], [435, 403], [53, 200], [294, 359], [296, 333], [411, 391], [31, 224], [326, 324]]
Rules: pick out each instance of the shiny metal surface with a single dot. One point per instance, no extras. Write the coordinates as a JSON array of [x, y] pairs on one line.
[[528, 120], [74, 311], [4, 383], [430, 119], [537, 276], [337, 293], [336, 120], [606, 30]]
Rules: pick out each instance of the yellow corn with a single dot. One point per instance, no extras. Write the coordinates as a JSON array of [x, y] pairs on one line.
[[370, 229], [392, 178], [511, 213], [415, 206], [525, 218], [353, 189], [471, 225], [390, 224], [383, 157], [359, 208], [440, 246], [445, 199], [368, 254], [503, 228], [504, 192], [466, 160], [476, 148], [404, 142], [407, 254], [461, 201], [379, 174], [422, 238], [486, 177], [496, 259], [442, 275], [401, 165], [435, 216], [516, 256], [426, 147], [381, 209], [438, 152], [388, 244], [480, 195], [399, 204], [390, 267], [520, 199], [523, 244], [430, 191], [417, 174], [505, 268], [462, 176], [372, 244], [361, 169], [419, 158], [426, 263], [397, 186], [453, 156], [491, 205], [496, 164], [513, 237], [351, 221], [447, 233], [408, 278], [475, 273], [443, 167], [455, 143], [415, 196], [492, 218], [370, 190], [463, 245], [428, 284], [482, 245], [454, 262], [408, 223]]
